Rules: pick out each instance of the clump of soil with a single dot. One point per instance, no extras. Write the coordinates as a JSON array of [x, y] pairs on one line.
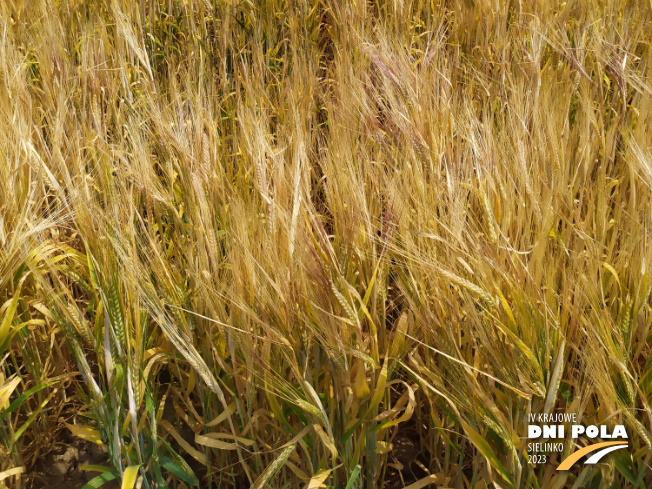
[[60, 468], [406, 451]]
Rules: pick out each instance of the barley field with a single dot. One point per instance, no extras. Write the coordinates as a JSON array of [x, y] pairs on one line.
[[339, 244]]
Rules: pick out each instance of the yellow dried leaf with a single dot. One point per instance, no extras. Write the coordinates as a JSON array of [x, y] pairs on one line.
[[85, 432]]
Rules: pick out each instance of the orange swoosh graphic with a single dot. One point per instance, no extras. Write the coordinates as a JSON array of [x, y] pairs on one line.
[[571, 459]]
